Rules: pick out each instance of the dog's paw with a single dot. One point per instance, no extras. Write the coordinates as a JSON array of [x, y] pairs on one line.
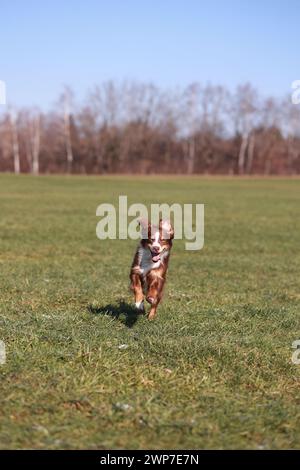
[[140, 306], [151, 316], [136, 270]]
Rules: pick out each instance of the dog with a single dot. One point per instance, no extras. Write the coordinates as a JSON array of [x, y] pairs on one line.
[[150, 265]]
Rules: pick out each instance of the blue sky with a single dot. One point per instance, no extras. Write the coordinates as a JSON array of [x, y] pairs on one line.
[[46, 44]]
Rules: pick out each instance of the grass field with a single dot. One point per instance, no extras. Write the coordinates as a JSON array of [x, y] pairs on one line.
[[213, 370]]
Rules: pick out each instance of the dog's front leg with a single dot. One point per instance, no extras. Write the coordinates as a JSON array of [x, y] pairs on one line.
[[136, 286], [154, 294]]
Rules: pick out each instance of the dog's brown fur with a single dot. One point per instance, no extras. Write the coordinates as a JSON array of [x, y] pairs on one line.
[[148, 273]]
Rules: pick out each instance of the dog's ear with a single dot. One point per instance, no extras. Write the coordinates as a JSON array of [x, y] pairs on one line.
[[145, 226], [167, 230]]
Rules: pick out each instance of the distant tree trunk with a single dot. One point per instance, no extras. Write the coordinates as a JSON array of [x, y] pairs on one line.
[[242, 154], [268, 165], [99, 155], [291, 154], [15, 141], [67, 128], [36, 145], [191, 156], [32, 146], [28, 150], [250, 154]]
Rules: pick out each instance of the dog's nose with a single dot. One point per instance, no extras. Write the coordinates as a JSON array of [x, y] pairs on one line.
[[155, 249]]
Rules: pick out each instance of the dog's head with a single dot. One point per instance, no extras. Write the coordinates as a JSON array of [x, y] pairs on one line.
[[158, 239]]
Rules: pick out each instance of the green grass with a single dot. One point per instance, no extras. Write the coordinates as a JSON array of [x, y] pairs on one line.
[[213, 370]]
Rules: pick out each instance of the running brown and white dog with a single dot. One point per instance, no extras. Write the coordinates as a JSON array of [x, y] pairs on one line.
[[150, 264]]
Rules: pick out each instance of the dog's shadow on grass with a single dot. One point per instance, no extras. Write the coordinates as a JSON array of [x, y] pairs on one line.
[[122, 311]]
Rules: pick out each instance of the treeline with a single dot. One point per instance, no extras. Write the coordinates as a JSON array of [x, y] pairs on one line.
[[140, 128]]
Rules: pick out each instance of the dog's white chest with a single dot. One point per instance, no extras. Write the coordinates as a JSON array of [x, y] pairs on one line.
[[146, 263]]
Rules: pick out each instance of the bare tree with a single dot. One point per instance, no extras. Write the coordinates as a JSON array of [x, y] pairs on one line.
[[271, 118], [291, 114], [5, 142], [13, 115], [35, 142], [191, 106], [245, 108], [250, 159], [67, 98], [140, 128]]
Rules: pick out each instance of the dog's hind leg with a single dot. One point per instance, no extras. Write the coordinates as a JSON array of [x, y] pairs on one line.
[[154, 294]]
